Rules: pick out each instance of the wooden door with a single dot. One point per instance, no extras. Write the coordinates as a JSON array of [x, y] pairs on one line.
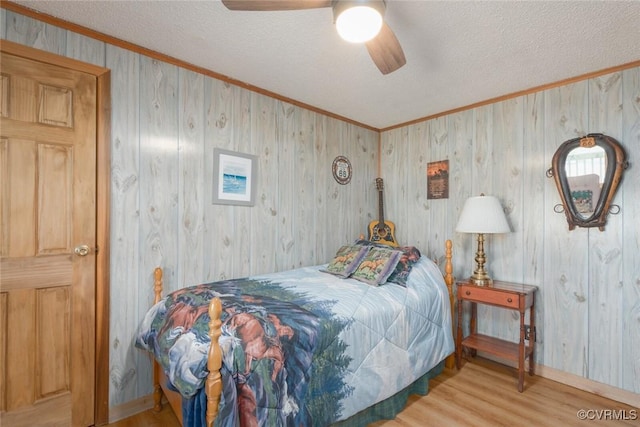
[[48, 209]]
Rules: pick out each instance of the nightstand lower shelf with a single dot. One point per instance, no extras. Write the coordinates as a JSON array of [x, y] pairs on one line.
[[503, 349]]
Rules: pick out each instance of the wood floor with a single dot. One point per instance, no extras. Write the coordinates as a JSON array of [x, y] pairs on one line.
[[482, 393]]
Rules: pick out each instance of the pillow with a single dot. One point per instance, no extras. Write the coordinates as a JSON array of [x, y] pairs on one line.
[[377, 265], [410, 256], [347, 260]]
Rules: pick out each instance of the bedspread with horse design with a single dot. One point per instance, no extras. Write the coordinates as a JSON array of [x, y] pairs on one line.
[[302, 347]]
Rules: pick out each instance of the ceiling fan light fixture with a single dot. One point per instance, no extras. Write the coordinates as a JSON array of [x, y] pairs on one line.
[[358, 22]]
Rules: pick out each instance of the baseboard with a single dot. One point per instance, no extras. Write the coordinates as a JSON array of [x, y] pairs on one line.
[[581, 383], [595, 387], [131, 408]]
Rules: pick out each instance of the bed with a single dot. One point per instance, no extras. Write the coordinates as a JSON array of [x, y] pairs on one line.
[[319, 345]]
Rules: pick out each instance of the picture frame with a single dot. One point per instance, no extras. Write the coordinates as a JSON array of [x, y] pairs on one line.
[[438, 180], [234, 178]]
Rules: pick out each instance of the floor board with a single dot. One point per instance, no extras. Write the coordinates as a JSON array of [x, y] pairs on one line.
[[483, 394]]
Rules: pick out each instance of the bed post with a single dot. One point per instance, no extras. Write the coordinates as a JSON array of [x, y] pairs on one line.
[[157, 391], [214, 362], [448, 279]]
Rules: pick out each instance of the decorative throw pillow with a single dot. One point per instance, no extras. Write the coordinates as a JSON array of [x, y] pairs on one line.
[[410, 256], [347, 260], [377, 265]]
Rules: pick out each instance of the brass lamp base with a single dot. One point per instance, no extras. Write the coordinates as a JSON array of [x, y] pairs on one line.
[[480, 277], [488, 281]]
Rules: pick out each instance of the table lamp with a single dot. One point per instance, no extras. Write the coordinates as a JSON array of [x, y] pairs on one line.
[[483, 215]]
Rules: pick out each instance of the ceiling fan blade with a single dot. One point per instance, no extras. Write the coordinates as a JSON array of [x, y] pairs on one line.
[[385, 50], [267, 5]]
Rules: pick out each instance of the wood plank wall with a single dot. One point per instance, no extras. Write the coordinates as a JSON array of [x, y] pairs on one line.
[[588, 304], [166, 121]]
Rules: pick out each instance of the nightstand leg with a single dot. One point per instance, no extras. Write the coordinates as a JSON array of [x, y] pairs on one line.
[[532, 335], [521, 352], [459, 335], [473, 326]]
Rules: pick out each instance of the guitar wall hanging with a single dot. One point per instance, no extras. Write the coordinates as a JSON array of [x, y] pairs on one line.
[[341, 169], [382, 231]]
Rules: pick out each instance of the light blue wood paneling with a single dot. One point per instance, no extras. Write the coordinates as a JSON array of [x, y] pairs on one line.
[[566, 275], [605, 296], [124, 359], [437, 149], [506, 172], [305, 186], [266, 212], [629, 349], [219, 224], [3, 23], [192, 184], [33, 33], [287, 130], [461, 130], [158, 171], [416, 217], [242, 142], [85, 49], [321, 181], [533, 208]]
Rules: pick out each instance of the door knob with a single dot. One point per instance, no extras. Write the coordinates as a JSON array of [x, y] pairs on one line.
[[82, 250]]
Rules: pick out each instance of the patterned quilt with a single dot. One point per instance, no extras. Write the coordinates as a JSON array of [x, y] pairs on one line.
[[303, 347]]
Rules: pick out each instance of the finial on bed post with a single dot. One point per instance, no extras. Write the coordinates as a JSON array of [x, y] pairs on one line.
[[449, 279], [157, 390], [157, 284], [448, 266], [214, 363]]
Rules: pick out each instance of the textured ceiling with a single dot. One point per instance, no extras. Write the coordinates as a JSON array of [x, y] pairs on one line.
[[458, 53]]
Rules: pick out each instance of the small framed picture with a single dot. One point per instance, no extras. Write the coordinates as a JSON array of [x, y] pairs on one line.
[[234, 178], [438, 180]]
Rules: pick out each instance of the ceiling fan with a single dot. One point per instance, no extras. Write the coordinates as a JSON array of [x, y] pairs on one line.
[[384, 48]]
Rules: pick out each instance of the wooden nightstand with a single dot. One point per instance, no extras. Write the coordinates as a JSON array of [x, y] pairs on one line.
[[511, 296]]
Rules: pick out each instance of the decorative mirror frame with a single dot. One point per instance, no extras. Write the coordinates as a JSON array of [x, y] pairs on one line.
[[616, 164]]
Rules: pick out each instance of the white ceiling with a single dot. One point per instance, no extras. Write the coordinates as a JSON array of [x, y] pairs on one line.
[[458, 52]]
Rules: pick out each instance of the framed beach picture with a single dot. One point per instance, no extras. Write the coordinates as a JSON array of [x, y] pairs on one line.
[[234, 178]]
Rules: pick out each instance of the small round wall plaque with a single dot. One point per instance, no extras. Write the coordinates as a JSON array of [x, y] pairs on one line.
[[341, 169]]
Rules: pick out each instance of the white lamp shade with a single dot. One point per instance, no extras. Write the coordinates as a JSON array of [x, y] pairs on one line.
[[359, 24], [482, 214]]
